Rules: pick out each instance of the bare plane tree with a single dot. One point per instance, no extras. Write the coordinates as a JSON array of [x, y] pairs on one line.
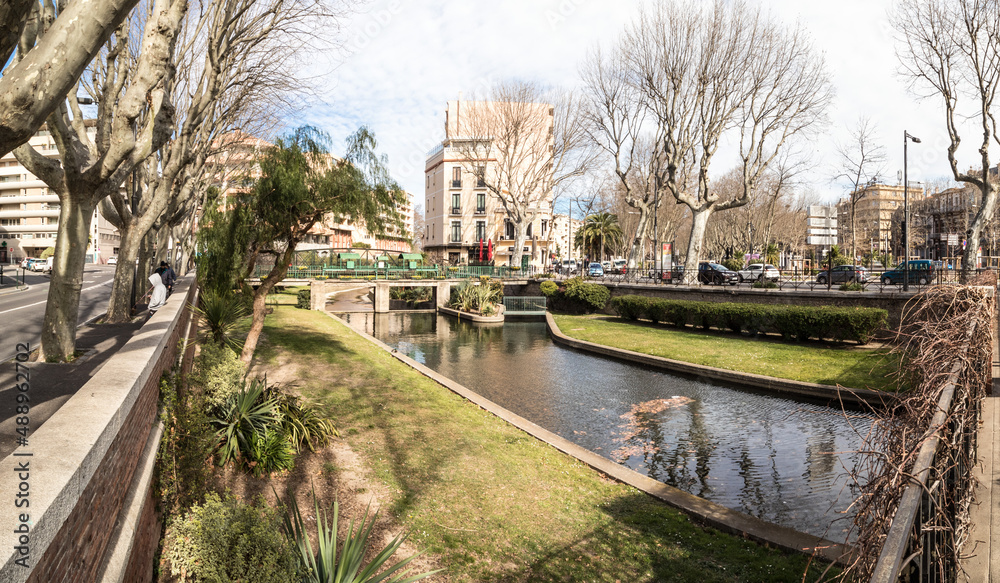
[[134, 118], [705, 73], [523, 144], [55, 41], [234, 56], [950, 49], [862, 159]]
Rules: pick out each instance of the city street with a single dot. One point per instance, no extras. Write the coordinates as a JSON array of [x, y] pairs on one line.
[[21, 312]]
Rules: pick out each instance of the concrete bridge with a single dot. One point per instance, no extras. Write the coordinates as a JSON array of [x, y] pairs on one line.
[[321, 291]]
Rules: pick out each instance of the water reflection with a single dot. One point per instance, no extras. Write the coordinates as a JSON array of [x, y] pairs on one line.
[[774, 458]]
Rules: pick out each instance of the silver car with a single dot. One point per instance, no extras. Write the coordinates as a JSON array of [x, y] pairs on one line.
[[759, 272]]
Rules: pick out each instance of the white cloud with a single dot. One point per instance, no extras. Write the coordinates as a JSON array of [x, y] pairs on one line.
[[407, 58]]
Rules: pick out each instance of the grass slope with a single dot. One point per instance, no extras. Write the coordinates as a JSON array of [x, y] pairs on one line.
[[491, 502], [813, 362]]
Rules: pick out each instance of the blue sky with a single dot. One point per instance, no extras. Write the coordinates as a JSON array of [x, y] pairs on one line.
[[404, 59]]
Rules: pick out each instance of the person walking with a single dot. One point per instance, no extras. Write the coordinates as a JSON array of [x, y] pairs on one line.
[[168, 276]]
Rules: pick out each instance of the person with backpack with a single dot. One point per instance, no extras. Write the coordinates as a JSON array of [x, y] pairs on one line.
[[168, 276]]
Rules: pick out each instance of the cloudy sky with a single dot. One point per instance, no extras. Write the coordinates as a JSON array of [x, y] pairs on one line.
[[405, 58]]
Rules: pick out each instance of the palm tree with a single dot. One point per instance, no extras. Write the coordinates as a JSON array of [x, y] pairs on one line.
[[600, 234]]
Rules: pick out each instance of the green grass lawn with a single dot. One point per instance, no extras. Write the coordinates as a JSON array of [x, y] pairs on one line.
[[288, 296], [815, 362], [489, 501]]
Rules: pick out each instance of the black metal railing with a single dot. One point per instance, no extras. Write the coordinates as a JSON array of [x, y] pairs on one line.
[[456, 184]]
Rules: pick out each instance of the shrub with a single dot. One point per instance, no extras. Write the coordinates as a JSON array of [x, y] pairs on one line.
[[765, 285], [801, 322], [733, 264], [241, 420], [219, 371], [305, 299], [549, 288], [585, 297], [188, 441], [852, 286], [301, 423], [225, 540]]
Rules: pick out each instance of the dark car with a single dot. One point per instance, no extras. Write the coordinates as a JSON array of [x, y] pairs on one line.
[[714, 273], [843, 274], [921, 271]]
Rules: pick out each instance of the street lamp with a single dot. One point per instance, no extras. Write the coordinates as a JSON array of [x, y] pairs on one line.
[[906, 212]]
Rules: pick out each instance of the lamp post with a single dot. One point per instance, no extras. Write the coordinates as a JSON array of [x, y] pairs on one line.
[[906, 212]]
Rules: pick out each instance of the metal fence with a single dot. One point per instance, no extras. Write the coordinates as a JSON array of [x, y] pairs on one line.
[[518, 305], [920, 546]]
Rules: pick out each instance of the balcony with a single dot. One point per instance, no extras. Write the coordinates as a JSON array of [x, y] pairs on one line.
[[456, 184], [481, 211], [456, 210], [480, 183]]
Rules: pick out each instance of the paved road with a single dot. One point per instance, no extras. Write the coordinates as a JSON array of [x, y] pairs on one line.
[[21, 312]]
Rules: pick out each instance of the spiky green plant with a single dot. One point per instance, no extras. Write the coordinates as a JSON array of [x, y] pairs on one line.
[[241, 418], [301, 423], [333, 563], [222, 312], [271, 452]]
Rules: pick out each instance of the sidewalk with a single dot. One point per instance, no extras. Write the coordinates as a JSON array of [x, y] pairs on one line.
[[982, 550], [51, 385]]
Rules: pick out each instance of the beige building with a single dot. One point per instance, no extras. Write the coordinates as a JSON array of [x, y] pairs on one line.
[[563, 232], [234, 168], [29, 211], [460, 211], [873, 228]]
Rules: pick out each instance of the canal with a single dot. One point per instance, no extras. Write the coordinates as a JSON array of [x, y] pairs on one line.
[[782, 460]]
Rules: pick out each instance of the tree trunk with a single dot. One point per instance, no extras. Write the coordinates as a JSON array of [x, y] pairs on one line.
[[699, 223], [120, 304], [969, 255], [640, 236], [277, 274], [62, 307], [142, 268], [519, 238]]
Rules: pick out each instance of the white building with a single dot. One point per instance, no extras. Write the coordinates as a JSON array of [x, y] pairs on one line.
[[29, 211]]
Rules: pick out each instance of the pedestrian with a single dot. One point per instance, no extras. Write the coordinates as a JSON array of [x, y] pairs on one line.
[[159, 295], [168, 276]]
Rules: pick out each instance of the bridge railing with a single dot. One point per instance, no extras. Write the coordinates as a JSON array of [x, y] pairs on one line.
[[524, 305]]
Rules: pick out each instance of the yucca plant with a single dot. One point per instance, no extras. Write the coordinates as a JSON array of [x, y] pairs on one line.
[[333, 563], [271, 452], [221, 313], [242, 418], [301, 422]]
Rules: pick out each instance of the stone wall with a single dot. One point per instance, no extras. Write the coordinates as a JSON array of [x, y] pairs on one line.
[[87, 461]]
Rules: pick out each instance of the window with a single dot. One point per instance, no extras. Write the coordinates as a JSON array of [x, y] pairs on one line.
[[545, 225], [508, 229], [456, 177], [480, 230], [528, 233], [480, 202], [456, 231], [456, 203], [481, 177]]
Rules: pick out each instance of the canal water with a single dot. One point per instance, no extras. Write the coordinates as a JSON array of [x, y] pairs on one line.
[[779, 459]]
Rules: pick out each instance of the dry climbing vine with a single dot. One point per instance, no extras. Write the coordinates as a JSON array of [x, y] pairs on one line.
[[946, 338]]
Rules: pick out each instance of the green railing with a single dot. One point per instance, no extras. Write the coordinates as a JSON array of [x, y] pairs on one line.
[[374, 272]]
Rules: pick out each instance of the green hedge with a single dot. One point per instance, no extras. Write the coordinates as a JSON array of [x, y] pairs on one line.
[[577, 296], [304, 299], [800, 322]]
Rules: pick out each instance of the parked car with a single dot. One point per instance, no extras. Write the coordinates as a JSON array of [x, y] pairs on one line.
[[759, 272], [921, 271], [715, 273], [618, 266], [39, 265], [595, 270], [26, 262], [844, 274], [569, 266], [113, 260]]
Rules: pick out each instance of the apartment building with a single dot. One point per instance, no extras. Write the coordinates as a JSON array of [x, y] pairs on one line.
[[29, 211], [873, 228], [563, 231], [461, 214], [234, 169]]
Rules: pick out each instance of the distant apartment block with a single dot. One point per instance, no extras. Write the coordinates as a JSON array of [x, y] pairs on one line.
[[563, 232], [461, 214], [29, 211], [873, 228], [233, 169]]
